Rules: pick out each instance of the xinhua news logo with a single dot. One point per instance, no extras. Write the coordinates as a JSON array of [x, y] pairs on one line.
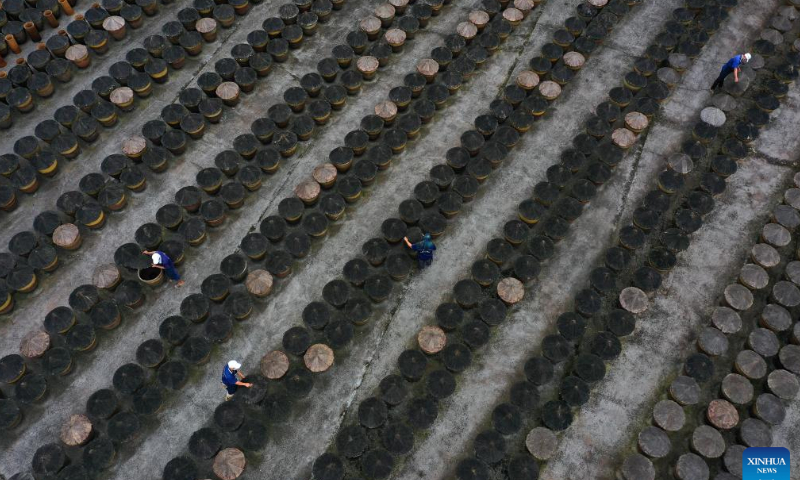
[[766, 463]]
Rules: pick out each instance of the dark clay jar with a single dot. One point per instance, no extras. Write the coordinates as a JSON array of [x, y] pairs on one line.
[[258, 40], [57, 45], [157, 70], [38, 59], [60, 69], [77, 29], [343, 54], [311, 83], [191, 42], [105, 113], [208, 82], [351, 80], [242, 53], [246, 78], [328, 69], [303, 127], [401, 96], [262, 63], [279, 49], [273, 26], [382, 52], [293, 34], [336, 95], [357, 41], [280, 114], [226, 68]]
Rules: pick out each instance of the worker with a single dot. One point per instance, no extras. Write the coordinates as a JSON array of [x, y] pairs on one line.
[[232, 379], [424, 249], [161, 260], [733, 66]]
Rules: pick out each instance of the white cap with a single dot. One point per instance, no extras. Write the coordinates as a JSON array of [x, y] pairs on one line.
[[747, 57], [234, 365], [156, 258]]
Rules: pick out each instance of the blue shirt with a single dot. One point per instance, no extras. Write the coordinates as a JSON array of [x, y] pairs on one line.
[[424, 251], [165, 260], [228, 378], [733, 62]]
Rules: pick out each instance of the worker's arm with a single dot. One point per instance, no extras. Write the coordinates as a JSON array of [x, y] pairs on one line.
[[736, 74], [405, 239], [242, 384], [155, 265]]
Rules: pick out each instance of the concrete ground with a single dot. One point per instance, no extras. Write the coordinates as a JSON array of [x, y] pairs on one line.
[[605, 424]]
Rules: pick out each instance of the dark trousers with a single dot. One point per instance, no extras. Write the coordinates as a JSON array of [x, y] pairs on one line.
[[172, 273], [721, 79], [424, 262]]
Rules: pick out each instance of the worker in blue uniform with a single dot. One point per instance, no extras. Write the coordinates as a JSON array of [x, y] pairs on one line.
[[232, 379], [161, 260], [424, 249], [734, 66]]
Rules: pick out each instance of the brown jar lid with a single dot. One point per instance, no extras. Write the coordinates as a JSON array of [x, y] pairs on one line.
[[395, 37], [398, 3], [228, 90], [623, 138], [722, 414], [510, 290], [307, 191], [274, 365], [121, 95], [636, 121], [513, 15], [76, 430], [134, 146], [229, 464], [34, 344], [370, 25], [765, 255], [387, 110], [259, 283], [527, 80], [367, 64], [479, 18], [633, 300], [738, 297], [318, 358], [76, 52], [574, 60], [428, 67], [669, 416], [325, 174], [542, 443], [105, 276], [384, 11], [467, 30], [431, 339], [550, 90], [65, 235], [205, 25], [524, 6], [753, 276], [113, 23]]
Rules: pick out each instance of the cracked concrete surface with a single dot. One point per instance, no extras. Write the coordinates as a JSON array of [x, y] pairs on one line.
[[295, 444]]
